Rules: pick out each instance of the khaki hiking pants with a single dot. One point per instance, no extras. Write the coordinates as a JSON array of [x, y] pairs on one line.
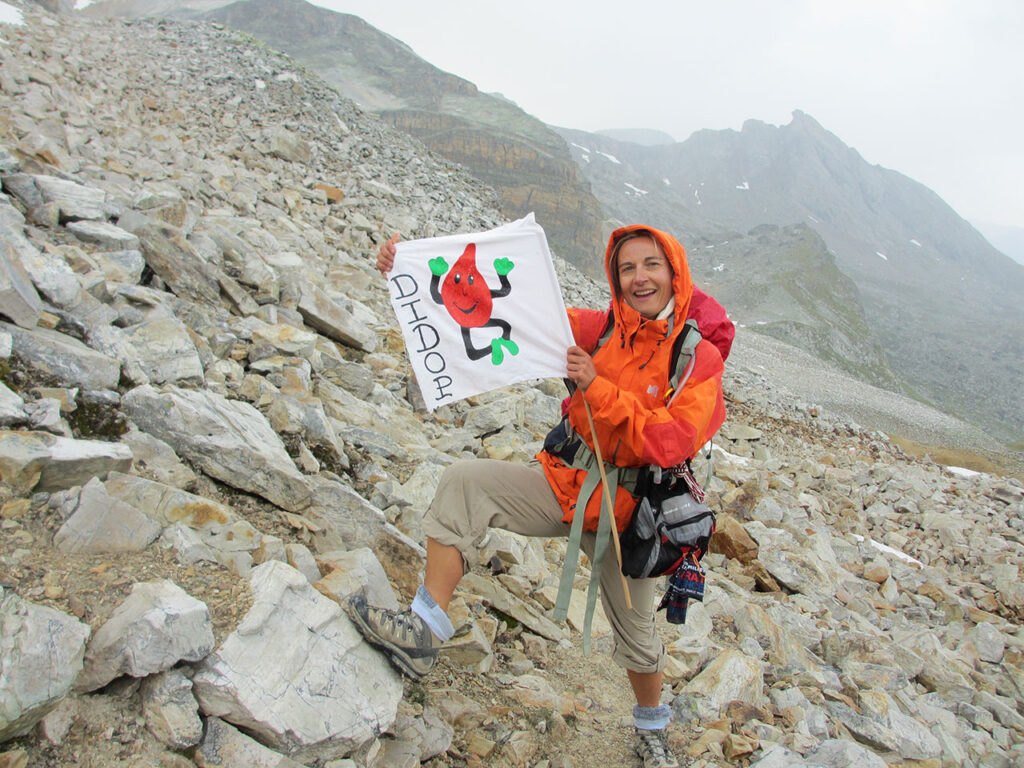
[[478, 494]]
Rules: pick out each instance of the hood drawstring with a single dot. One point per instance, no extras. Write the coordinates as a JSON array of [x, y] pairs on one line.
[[653, 353]]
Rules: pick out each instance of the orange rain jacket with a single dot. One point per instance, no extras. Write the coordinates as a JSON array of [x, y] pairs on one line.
[[628, 399]]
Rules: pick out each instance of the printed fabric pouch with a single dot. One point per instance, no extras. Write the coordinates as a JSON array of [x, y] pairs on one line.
[[668, 535]]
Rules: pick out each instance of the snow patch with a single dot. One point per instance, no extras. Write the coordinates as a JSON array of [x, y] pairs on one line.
[[11, 15], [914, 242], [719, 268], [962, 471], [744, 185], [613, 158], [635, 190], [580, 147], [813, 219], [881, 255], [80, 4], [260, 85], [667, 182], [887, 550]]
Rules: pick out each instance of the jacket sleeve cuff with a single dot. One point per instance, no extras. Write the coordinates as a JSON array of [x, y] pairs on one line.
[[599, 392]]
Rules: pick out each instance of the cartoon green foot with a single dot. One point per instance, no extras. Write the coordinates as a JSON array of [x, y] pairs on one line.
[[498, 346]]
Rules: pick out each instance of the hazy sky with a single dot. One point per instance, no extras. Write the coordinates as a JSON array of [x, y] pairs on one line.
[[933, 89]]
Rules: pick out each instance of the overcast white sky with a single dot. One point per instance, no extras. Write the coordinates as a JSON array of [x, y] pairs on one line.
[[933, 89]]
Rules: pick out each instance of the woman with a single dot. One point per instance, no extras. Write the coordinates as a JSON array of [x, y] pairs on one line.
[[637, 420]]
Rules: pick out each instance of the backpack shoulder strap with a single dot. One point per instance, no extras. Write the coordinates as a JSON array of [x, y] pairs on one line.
[[683, 350]]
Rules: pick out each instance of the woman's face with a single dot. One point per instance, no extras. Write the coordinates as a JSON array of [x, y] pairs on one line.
[[645, 277]]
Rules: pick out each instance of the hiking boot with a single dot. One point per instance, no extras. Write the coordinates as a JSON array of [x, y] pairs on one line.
[[652, 747], [403, 634]]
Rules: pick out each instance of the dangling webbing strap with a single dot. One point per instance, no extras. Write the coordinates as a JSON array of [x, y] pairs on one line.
[[586, 460]]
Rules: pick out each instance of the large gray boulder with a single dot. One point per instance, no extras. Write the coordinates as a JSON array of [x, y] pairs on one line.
[[18, 297], [158, 350], [62, 360], [334, 321], [326, 693], [39, 461], [41, 653], [12, 408], [158, 625], [75, 201], [101, 524], [171, 257]]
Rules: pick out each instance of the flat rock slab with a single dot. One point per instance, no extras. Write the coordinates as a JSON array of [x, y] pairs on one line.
[[104, 234], [61, 359], [101, 524], [229, 440], [333, 321], [18, 297], [39, 461]]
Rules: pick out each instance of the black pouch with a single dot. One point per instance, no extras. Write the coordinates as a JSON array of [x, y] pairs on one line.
[[668, 526], [562, 442]]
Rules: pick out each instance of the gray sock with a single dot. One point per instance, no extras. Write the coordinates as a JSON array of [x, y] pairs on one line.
[[424, 606], [652, 718]]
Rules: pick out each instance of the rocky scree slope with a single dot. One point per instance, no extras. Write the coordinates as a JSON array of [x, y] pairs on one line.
[[522, 158], [210, 439]]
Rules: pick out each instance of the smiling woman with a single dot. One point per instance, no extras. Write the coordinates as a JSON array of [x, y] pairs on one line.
[[641, 274], [622, 405]]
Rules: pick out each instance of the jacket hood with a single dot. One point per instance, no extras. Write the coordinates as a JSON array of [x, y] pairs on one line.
[[627, 317]]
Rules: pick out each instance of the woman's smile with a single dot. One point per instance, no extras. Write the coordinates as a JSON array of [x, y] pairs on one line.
[[645, 277]]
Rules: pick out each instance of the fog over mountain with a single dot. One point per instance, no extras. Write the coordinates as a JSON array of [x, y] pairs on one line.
[[1009, 240]]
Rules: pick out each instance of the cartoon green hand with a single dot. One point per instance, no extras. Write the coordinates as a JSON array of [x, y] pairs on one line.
[[438, 266], [503, 266]]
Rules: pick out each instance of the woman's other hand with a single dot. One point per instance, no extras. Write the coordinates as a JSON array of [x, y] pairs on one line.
[[386, 254], [581, 367]]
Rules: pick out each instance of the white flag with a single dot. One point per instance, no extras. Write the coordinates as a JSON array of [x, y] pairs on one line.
[[480, 311]]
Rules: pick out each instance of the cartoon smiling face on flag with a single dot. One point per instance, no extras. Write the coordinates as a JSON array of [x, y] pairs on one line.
[[468, 326], [470, 302]]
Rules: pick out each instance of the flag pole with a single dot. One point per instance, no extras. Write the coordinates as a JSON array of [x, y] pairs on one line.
[[608, 503]]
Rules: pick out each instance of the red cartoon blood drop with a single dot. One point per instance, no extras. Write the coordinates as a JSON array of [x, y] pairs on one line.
[[465, 293]]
